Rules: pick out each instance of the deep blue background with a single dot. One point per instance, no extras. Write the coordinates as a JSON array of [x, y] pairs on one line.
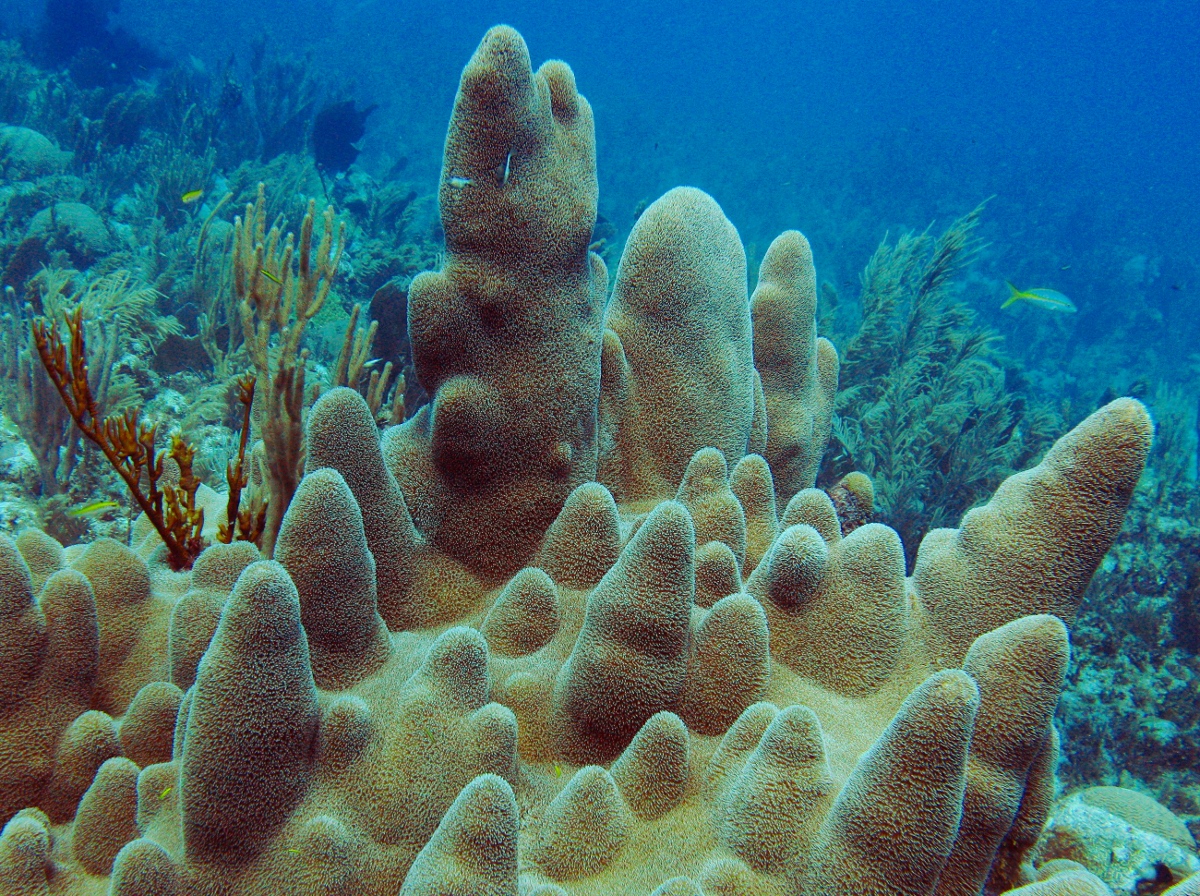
[[846, 119]]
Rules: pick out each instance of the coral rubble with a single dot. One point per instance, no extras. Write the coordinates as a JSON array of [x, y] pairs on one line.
[[581, 625]]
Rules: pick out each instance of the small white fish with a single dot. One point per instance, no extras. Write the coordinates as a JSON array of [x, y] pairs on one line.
[[459, 182], [503, 170]]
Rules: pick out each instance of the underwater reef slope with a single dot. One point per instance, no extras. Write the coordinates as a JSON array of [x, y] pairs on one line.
[[582, 625]]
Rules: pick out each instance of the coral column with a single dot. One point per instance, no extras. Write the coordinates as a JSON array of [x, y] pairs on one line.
[[506, 336]]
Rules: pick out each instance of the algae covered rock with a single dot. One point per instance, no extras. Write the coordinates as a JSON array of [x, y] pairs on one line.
[[1128, 840], [74, 228], [26, 154]]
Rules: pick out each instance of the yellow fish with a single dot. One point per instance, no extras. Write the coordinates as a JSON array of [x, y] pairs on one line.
[[166, 792], [271, 277], [557, 770], [1049, 299], [96, 508], [191, 196]]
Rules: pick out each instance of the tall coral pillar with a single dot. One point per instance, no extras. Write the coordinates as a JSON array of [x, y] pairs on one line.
[[506, 337]]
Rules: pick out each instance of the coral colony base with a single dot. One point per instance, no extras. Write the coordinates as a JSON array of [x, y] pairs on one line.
[[582, 625]]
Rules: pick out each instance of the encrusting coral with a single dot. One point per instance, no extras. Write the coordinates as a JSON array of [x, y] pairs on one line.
[[553, 635]]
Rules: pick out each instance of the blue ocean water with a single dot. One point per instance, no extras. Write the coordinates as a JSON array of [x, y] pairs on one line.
[[846, 120]]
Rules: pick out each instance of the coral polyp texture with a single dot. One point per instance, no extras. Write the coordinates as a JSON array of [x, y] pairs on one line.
[[583, 625]]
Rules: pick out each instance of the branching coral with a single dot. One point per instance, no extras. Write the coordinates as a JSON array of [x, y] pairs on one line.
[[116, 312], [247, 524], [284, 93], [128, 444], [280, 286], [220, 321], [351, 367], [117, 296], [32, 402], [553, 635]]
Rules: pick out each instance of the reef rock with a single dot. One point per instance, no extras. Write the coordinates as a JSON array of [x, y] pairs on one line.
[[1132, 843], [26, 154], [74, 228]]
